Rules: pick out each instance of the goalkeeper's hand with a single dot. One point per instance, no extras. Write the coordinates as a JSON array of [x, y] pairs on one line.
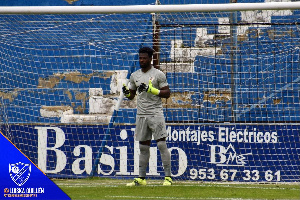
[[126, 91], [143, 87], [148, 88]]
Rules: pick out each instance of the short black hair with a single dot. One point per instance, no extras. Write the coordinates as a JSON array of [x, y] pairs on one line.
[[147, 50]]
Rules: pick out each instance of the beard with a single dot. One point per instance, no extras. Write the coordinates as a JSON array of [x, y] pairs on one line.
[[143, 66]]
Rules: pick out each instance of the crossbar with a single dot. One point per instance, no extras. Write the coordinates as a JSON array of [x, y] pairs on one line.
[[148, 8]]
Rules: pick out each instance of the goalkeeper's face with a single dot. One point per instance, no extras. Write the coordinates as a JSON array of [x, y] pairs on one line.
[[145, 60]]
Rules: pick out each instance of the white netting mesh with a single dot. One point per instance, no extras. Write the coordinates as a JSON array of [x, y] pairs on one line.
[[234, 76]]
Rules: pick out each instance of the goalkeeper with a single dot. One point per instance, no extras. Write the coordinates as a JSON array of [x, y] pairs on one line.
[[150, 85]]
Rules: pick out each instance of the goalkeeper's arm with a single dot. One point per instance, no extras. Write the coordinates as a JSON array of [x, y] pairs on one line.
[[163, 92]]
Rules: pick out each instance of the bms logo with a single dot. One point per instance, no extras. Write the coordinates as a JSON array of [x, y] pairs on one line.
[[222, 156], [19, 172]]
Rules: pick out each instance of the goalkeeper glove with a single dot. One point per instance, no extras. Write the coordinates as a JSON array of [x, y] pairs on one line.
[[126, 91], [149, 88], [143, 87]]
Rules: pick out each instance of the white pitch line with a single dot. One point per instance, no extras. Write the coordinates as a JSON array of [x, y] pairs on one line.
[[183, 185], [142, 197]]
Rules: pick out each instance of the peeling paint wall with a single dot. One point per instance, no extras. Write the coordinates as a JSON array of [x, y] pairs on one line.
[[181, 100], [9, 95], [217, 95], [74, 77]]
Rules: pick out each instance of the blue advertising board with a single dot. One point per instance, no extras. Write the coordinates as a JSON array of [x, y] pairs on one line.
[[202, 152]]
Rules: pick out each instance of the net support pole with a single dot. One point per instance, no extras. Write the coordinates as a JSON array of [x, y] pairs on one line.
[[234, 63], [156, 37], [156, 55]]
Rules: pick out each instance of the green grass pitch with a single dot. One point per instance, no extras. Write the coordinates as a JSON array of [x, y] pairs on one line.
[[99, 188]]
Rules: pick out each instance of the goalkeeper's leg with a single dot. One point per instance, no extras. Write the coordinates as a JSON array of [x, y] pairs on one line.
[[143, 164], [143, 159], [166, 160]]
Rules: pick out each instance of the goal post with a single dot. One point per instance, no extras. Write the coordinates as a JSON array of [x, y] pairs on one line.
[[148, 8], [233, 70]]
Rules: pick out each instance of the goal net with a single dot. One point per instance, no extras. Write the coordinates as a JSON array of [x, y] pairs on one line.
[[234, 74]]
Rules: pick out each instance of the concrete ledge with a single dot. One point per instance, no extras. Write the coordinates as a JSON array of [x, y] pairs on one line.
[[87, 118], [55, 111]]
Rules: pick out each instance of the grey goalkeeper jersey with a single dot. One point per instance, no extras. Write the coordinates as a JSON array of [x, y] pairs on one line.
[[147, 103]]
